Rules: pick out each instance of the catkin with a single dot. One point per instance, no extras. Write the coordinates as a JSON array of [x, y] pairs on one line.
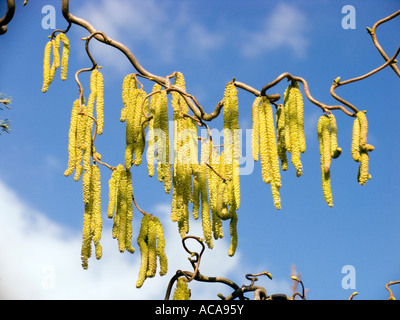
[[53, 46], [205, 207], [185, 158], [255, 133], [151, 242], [335, 150], [72, 147], [268, 151], [233, 233], [64, 56], [281, 135], [100, 103], [294, 123], [152, 247], [182, 291], [144, 251], [46, 66], [161, 247], [92, 221], [325, 160], [359, 147]]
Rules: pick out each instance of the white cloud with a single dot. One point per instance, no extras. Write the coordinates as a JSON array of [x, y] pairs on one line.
[[283, 28], [40, 259]]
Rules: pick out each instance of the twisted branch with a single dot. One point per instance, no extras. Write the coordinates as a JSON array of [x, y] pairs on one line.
[[372, 33]]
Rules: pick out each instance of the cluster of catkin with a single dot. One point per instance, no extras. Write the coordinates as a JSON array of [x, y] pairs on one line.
[[264, 144], [328, 148], [92, 221], [120, 207], [81, 132], [133, 113], [81, 152], [158, 145], [359, 147], [151, 242], [49, 68], [291, 128]]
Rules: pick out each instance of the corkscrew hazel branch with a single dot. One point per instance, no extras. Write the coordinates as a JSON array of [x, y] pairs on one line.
[[337, 83], [374, 38], [391, 296], [7, 17]]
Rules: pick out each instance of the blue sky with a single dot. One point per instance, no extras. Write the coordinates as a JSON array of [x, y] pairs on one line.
[[210, 42]]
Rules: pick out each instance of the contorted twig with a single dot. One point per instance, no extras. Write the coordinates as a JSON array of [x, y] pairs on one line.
[[391, 296], [194, 105], [7, 17], [372, 33]]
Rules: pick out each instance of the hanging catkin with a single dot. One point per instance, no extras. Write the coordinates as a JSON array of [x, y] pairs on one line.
[[205, 207], [185, 158], [182, 291], [232, 150], [268, 151], [92, 221], [359, 147], [159, 137], [255, 133], [294, 125], [120, 207], [151, 242], [324, 139], [281, 136], [49, 68]]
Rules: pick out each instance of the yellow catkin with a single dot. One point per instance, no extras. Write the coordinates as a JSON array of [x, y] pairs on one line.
[[182, 291], [112, 193], [363, 148], [100, 103], [255, 133], [92, 221], [129, 213], [268, 151], [205, 208], [144, 251], [64, 56], [361, 116], [195, 197], [72, 139], [46, 66], [355, 141], [300, 118], [151, 134], [152, 247], [335, 150], [325, 152], [295, 141], [272, 154], [363, 171], [233, 233], [138, 123], [97, 220], [122, 225], [183, 155], [56, 57], [161, 247], [213, 183], [264, 157], [281, 137]]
